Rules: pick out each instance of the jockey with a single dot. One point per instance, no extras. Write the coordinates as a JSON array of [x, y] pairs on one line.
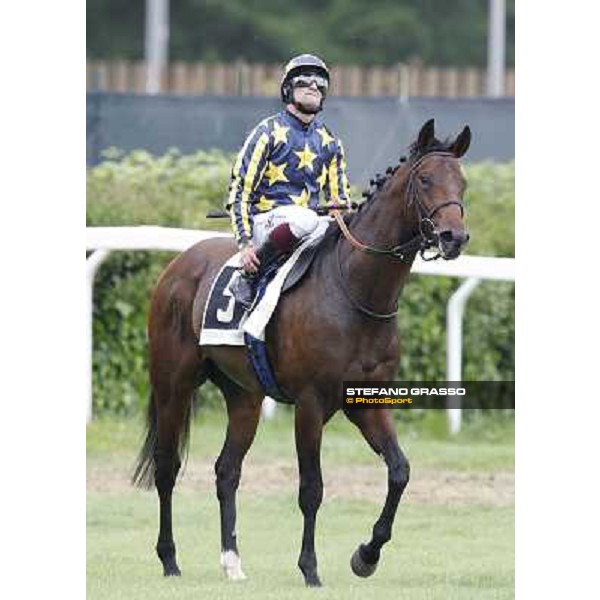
[[284, 164]]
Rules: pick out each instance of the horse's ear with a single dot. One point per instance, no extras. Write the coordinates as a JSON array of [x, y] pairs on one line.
[[462, 142], [426, 135]]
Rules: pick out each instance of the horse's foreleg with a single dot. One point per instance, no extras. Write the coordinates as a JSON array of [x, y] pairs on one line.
[[378, 429], [244, 412], [309, 427]]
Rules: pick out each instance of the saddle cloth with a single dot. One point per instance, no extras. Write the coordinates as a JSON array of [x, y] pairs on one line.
[[224, 321]]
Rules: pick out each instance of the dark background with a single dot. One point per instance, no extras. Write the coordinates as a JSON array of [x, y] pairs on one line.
[[375, 131], [378, 32]]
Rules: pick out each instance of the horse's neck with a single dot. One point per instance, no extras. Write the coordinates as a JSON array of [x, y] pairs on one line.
[[387, 223], [389, 220]]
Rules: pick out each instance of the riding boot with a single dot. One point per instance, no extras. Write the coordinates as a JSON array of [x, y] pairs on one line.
[[245, 289]]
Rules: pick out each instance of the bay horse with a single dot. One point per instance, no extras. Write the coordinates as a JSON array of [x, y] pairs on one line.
[[335, 325]]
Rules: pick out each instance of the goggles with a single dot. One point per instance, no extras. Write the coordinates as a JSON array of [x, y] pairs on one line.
[[305, 81]]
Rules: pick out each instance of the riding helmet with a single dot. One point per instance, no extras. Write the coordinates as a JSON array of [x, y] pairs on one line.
[[302, 63]]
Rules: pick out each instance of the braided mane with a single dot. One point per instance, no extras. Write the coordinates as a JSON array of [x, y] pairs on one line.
[[415, 152]]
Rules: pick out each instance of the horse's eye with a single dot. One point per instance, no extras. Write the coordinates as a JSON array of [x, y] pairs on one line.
[[425, 181]]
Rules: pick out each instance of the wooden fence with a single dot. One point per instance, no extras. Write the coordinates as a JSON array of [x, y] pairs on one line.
[[241, 79]]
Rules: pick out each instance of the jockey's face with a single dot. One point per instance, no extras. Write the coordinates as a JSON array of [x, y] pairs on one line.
[[309, 97]]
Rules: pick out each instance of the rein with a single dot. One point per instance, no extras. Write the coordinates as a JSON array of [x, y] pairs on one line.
[[424, 240], [355, 303]]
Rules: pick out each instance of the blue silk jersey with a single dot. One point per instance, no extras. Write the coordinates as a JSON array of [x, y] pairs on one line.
[[285, 161]]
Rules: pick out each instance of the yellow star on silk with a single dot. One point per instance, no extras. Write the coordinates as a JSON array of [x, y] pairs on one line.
[[322, 178], [326, 139], [306, 157], [276, 173], [264, 204], [280, 133], [302, 199]]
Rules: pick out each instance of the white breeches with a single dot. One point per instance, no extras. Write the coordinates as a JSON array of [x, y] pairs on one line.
[[302, 221]]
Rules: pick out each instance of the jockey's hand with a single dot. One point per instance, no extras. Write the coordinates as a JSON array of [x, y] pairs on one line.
[[248, 259], [341, 210]]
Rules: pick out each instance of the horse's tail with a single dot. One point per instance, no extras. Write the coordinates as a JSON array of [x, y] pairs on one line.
[[143, 475]]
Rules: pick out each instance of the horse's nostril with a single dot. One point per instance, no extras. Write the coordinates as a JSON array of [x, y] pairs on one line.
[[448, 236]]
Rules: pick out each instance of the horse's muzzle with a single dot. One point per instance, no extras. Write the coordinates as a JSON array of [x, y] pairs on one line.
[[451, 242]]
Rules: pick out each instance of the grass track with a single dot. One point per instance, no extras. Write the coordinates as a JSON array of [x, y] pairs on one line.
[[445, 551], [484, 444]]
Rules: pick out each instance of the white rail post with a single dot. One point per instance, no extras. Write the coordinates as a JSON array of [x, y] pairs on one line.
[[92, 263], [454, 319], [496, 47], [156, 43]]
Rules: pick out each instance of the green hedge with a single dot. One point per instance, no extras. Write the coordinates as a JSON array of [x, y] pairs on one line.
[[175, 190]]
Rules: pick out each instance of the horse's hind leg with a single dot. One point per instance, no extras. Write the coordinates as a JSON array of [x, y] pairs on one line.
[[173, 405], [176, 370], [167, 463], [243, 409], [377, 428]]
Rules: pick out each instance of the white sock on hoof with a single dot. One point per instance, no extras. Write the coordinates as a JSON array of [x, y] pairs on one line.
[[232, 565]]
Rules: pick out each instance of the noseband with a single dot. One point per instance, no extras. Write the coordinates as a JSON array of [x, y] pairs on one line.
[[426, 238]]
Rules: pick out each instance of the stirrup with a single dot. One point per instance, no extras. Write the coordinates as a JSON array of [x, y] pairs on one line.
[[243, 291]]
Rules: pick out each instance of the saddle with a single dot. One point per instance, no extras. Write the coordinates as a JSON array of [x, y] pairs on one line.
[[300, 268]]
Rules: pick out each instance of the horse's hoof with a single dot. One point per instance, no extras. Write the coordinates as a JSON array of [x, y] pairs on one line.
[[313, 581], [360, 567], [171, 570], [232, 565]]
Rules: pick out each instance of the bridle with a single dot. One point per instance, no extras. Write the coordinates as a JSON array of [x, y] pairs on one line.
[[426, 238]]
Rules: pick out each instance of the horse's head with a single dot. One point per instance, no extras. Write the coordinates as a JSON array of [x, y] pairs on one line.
[[436, 185]]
